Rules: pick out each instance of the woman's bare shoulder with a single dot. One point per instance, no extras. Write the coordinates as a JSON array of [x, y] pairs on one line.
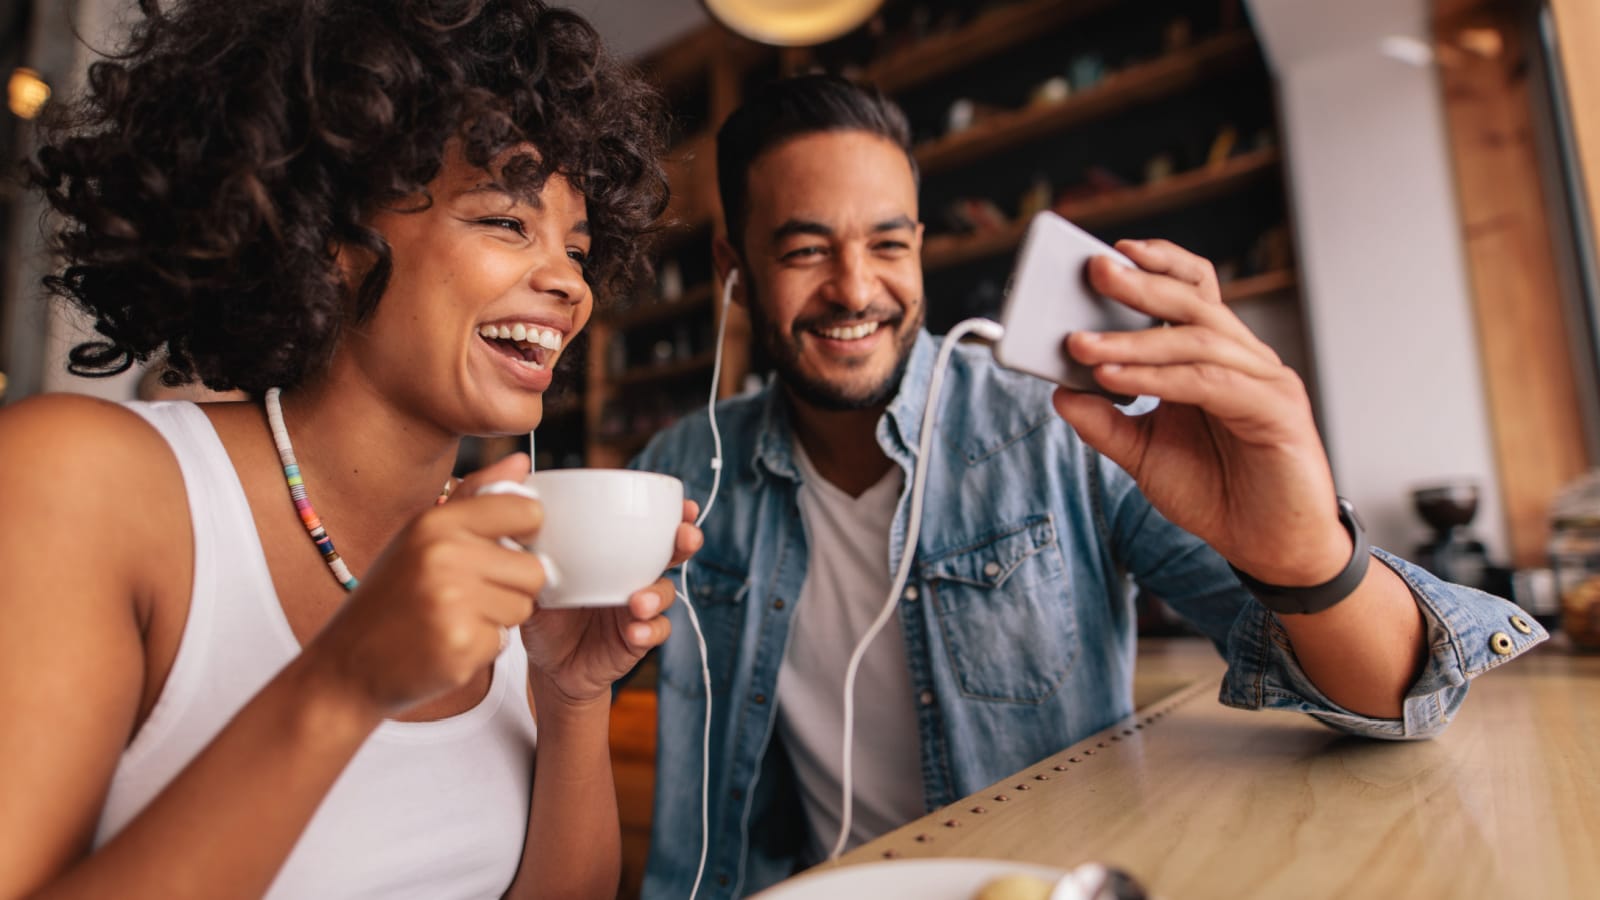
[[71, 460], [77, 440]]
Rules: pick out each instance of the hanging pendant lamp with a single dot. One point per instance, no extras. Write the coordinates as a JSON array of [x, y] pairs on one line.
[[791, 23]]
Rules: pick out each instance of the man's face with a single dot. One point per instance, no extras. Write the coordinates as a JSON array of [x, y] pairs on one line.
[[832, 248]]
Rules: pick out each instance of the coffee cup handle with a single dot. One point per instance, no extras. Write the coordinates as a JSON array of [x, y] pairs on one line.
[[552, 575]]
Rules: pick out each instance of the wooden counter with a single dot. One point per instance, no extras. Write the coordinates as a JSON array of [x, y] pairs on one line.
[[1197, 800]]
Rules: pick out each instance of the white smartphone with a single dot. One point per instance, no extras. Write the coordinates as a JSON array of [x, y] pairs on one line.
[[1050, 297]]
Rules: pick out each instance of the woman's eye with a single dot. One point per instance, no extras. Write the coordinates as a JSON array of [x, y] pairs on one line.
[[579, 257], [512, 225]]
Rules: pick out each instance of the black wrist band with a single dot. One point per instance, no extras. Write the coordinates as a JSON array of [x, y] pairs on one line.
[[1318, 597]]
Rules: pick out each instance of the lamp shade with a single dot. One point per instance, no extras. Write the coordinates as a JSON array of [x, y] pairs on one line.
[[791, 23]]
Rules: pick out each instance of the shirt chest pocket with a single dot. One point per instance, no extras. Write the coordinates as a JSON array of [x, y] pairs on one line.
[[718, 594], [1004, 613]]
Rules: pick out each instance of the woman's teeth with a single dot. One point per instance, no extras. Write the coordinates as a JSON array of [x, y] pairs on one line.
[[849, 332], [532, 335]]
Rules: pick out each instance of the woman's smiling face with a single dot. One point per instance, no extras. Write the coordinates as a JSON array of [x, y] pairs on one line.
[[488, 289]]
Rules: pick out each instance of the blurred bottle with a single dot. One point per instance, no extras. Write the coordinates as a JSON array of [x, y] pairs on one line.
[[1575, 557]]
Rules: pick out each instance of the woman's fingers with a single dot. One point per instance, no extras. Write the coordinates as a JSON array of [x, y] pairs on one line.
[[686, 542]]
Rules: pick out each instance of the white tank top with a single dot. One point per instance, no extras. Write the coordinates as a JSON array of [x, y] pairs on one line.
[[426, 810]]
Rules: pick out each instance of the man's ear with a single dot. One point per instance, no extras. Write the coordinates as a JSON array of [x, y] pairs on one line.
[[728, 264]]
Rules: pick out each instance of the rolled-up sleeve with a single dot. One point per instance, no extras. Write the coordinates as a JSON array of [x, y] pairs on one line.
[[1468, 633]]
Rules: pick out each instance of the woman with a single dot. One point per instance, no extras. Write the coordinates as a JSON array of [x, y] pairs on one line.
[[385, 221]]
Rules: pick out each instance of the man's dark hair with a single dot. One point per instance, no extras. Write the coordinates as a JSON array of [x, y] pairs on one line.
[[791, 108], [218, 160]]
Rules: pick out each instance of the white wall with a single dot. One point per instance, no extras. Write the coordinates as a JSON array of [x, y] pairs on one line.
[[1387, 300]]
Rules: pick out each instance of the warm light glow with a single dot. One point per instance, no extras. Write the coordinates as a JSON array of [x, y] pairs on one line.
[[27, 92], [1488, 43], [791, 23]]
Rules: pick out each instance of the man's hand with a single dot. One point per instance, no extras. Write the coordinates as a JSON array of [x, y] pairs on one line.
[[1232, 455]]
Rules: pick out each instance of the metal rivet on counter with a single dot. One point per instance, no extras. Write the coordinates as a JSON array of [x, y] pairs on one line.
[[952, 823], [1075, 759], [1521, 624], [1088, 753], [1127, 732], [1114, 737], [1024, 787], [1041, 778], [890, 854], [1059, 768], [923, 839], [1500, 643], [1002, 798], [980, 810]]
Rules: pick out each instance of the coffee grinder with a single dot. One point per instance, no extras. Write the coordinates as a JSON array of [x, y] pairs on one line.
[[1453, 553]]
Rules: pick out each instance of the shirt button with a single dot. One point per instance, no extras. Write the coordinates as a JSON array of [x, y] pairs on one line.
[[1500, 643], [722, 880], [778, 603], [991, 569], [925, 698], [1521, 624], [911, 593], [761, 699]]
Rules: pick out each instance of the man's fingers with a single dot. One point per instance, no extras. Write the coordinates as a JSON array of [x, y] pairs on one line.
[[1173, 346], [1167, 258]]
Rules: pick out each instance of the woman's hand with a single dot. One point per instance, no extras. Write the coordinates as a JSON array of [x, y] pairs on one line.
[[432, 611], [1232, 454], [583, 651]]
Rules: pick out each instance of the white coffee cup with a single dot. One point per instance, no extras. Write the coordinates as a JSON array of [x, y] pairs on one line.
[[607, 532]]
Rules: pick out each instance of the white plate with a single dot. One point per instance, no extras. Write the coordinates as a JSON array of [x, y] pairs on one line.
[[924, 879]]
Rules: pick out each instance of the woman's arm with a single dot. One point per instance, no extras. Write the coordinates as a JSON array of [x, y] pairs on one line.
[[95, 511], [86, 539]]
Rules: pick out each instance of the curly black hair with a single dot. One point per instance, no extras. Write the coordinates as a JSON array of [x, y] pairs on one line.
[[213, 165]]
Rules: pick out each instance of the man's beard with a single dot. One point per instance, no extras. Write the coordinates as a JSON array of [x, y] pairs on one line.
[[784, 352]]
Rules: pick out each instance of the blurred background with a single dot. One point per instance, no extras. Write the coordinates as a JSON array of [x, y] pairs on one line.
[[1397, 195]]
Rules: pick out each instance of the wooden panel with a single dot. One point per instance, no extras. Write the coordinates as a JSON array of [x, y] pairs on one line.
[[1532, 394], [1578, 33], [633, 764]]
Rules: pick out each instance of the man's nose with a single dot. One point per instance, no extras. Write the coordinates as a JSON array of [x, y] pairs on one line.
[[853, 280]]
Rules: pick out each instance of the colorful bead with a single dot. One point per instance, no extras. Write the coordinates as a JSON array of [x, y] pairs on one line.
[[302, 500]]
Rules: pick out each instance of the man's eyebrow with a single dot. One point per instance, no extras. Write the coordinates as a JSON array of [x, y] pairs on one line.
[[794, 227], [817, 229]]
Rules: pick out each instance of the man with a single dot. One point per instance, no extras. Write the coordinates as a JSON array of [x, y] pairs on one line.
[[1015, 632]]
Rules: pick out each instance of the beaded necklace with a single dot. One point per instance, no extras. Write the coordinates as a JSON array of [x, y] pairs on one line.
[[302, 501]]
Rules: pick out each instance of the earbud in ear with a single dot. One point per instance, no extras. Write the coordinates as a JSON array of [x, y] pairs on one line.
[[733, 277]]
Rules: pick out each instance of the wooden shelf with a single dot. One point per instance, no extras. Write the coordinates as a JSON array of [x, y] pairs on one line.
[[626, 445], [1260, 285], [562, 409], [1113, 207], [1130, 87], [992, 32], [697, 363], [693, 300]]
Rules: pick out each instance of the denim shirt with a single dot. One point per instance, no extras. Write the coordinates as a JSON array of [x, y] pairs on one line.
[[1018, 616]]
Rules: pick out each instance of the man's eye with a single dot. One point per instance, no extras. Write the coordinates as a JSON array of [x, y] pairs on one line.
[[893, 246], [801, 254], [512, 225]]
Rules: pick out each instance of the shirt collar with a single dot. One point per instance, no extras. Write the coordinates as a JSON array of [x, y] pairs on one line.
[[898, 429]]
